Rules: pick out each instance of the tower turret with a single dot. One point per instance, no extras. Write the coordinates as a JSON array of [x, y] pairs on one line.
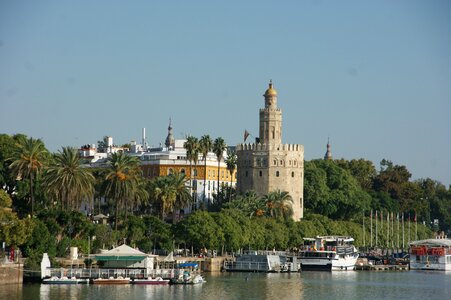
[[270, 118], [328, 155], [170, 138]]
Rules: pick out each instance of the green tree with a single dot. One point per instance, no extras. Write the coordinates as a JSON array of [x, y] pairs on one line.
[[182, 195], [231, 162], [67, 180], [202, 230], [28, 160], [205, 146], [13, 231], [279, 204], [219, 146], [363, 170], [192, 154], [121, 179], [231, 229], [164, 195]]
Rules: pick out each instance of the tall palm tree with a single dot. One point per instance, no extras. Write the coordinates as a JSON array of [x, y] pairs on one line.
[[231, 161], [192, 153], [279, 204], [140, 195], [66, 179], [121, 179], [163, 194], [28, 160], [206, 145], [183, 197], [219, 146]]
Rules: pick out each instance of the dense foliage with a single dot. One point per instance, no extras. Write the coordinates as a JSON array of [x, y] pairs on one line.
[[38, 205]]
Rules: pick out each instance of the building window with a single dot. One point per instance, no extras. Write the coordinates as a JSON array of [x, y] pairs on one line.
[[281, 162], [261, 173], [170, 171], [182, 171], [247, 173], [292, 174], [222, 174], [277, 173], [275, 162], [209, 173], [195, 172], [294, 162]]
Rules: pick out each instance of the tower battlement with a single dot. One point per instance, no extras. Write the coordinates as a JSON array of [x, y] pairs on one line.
[[269, 147]]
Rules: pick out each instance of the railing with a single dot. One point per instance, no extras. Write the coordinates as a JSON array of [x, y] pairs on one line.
[[107, 273]]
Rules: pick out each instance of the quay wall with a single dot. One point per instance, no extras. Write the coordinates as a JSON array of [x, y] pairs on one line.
[[11, 273]]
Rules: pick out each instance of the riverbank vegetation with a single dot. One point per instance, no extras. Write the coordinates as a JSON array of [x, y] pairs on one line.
[[42, 194]]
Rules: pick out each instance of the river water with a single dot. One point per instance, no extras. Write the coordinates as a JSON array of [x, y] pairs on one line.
[[306, 285]]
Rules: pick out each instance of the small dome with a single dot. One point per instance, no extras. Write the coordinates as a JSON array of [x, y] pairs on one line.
[[270, 91]]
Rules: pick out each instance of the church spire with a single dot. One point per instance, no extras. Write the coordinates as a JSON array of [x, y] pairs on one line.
[[328, 155], [170, 138]]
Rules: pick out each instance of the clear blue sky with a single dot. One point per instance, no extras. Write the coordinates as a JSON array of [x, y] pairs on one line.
[[375, 76]]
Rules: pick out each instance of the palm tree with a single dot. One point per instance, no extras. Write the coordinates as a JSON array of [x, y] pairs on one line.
[[219, 146], [183, 197], [122, 178], [66, 179], [140, 195], [28, 160], [279, 204], [164, 194], [192, 153], [206, 145], [231, 161]]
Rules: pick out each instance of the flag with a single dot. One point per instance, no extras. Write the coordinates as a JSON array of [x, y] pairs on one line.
[[246, 134]]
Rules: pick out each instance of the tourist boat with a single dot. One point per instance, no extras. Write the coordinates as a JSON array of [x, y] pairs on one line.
[[327, 253], [150, 280], [431, 254], [262, 261], [64, 280], [111, 280]]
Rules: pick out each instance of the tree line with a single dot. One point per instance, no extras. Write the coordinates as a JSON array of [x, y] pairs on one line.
[[42, 193]]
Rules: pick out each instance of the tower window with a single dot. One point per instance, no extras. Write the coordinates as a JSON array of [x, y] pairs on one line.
[[261, 173], [277, 173], [275, 162], [247, 173], [292, 174]]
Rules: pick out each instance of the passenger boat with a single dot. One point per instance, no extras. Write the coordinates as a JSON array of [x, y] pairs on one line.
[[112, 280], [261, 261], [150, 280], [64, 280], [431, 254], [327, 253]]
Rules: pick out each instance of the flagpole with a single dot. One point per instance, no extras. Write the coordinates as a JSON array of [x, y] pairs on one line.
[[409, 231], [363, 229], [392, 230], [402, 231], [416, 226], [371, 229], [397, 231], [376, 228], [388, 230]]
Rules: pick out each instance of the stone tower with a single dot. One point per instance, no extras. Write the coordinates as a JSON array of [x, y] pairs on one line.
[[268, 165]]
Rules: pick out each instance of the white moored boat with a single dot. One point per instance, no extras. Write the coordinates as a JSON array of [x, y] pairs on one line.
[[431, 254], [326, 253]]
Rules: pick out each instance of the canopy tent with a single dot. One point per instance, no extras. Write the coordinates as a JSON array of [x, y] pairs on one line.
[[185, 265], [121, 253]]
